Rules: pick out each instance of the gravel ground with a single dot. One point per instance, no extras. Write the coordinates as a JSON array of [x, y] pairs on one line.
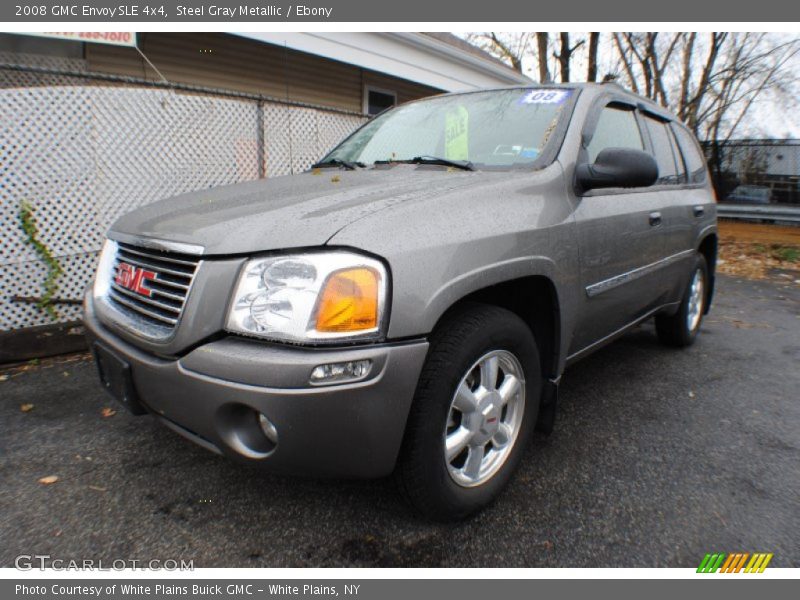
[[658, 457]]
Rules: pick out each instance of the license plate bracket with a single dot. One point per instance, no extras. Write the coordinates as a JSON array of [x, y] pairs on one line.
[[116, 378]]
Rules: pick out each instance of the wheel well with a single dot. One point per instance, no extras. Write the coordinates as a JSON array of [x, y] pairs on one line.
[[708, 248], [535, 301]]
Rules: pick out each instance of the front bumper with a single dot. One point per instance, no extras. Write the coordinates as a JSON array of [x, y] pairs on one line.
[[209, 396]]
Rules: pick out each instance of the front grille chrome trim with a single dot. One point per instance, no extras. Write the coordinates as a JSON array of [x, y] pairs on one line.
[[129, 250], [157, 315], [146, 243], [150, 301], [149, 265], [144, 311]]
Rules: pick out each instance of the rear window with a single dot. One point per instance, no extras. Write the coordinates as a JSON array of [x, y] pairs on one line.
[[668, 172], [695, 162]]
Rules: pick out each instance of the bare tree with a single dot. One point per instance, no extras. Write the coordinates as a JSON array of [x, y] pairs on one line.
[[564, 55], [645, 57], [542, 43], [710, 81], [594, 45], [510, 48]]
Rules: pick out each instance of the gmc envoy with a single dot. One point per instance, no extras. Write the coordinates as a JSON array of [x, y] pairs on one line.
[[409, 304]]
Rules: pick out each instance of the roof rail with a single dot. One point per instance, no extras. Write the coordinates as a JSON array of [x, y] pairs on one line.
[[614, 83]]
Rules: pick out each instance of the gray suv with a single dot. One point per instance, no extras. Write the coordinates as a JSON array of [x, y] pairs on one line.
[[409, 304]]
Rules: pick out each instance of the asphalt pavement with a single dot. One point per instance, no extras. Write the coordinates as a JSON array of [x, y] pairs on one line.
[[658, 457]]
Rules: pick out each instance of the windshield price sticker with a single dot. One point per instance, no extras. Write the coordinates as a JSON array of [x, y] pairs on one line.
[[546, 96]]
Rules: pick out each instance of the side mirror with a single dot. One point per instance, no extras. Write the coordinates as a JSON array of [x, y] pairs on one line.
[[617, 167]]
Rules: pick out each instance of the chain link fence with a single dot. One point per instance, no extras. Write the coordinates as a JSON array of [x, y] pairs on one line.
[[81, 149], [755, 171]]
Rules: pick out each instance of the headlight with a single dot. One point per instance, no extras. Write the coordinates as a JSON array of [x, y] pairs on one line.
[[315, 297]]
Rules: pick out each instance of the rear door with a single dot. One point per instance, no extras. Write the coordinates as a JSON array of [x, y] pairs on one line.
[[673, 206], [619, 234], [693, 211]]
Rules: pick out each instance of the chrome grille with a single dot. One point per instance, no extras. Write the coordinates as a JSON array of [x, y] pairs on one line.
[[168, 277]]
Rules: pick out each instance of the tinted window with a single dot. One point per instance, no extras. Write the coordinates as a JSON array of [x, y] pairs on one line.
[[662, 149], [678, 157], [616, 128], [695, 163]]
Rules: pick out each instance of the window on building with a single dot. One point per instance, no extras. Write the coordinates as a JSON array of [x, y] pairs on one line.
[[616, 128], [376, 101]]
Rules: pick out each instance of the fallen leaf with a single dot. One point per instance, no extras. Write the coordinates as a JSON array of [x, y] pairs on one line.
[[3, 377], [58, 533], [97, 489], [335, 179], [26, 407], [108, 412], [48, 480], [316, 171]]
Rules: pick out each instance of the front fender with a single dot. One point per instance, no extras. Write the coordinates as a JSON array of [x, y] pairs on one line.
[[480, 278]]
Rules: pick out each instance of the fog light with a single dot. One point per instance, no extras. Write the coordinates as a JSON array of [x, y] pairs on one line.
[[268, 428], [343, 371]]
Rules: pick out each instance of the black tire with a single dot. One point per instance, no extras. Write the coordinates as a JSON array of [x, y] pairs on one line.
[[463, 337], [674, 330]]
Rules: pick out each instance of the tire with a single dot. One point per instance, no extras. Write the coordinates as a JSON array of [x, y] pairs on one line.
[[463, 349], [680, 330]]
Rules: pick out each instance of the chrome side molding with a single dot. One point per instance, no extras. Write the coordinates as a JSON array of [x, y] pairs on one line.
[[598, 288]]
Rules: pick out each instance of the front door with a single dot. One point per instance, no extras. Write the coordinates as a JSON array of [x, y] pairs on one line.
[[619, 239]]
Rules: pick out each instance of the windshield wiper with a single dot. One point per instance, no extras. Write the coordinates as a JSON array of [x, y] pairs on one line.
[[448, 162], [432, 160], [338, 162]]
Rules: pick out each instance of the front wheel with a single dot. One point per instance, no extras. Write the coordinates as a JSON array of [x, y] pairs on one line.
[[681, 329], [473, 412]]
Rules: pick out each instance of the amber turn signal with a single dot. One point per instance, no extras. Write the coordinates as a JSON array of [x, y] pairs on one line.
[[349, 301]]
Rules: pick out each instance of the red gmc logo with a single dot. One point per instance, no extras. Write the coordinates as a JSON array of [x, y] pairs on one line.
[[133, 278]]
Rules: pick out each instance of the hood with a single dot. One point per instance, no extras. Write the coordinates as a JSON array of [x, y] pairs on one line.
[[288, 212]]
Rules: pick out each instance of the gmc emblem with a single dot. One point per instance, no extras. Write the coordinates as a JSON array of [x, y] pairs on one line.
[[133, 278]]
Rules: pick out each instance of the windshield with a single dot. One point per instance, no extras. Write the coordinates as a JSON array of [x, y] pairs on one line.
[[502, 128]]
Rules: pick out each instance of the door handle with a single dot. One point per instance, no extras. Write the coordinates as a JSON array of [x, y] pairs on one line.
[[655, 219], [698, 211]]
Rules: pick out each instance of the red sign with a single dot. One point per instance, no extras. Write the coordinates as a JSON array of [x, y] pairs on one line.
[[133, 278], [114, 38]]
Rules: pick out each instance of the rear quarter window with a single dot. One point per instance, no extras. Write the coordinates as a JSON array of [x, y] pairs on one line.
[[692, 157]]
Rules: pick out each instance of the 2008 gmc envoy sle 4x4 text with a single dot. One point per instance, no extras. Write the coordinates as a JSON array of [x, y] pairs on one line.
[[409, 304]]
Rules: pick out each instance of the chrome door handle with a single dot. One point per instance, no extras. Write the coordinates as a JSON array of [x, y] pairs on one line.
[[698, 211], [655, 219]]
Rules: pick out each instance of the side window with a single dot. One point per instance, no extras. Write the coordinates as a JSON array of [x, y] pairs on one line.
[[695, 162], [662, 150], [676, 152], [616, 128]]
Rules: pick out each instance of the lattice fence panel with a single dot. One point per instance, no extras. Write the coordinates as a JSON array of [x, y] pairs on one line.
[[83, 155]]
